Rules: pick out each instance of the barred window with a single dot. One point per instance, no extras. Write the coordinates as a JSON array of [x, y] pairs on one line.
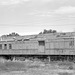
[[10, 46], [0, 46], [5, 46], [71, 43]]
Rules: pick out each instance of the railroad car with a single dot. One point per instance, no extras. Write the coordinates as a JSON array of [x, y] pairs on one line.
[[53, 46]]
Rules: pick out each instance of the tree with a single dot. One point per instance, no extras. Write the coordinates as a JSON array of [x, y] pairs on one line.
[[54, 31], [11, 34], [45, 31], [48, 31]]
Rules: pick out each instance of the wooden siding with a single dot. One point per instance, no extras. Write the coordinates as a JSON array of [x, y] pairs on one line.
[[25, 45], [53, 46]]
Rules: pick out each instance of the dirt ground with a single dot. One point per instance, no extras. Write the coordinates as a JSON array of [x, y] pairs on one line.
[[36, 68]]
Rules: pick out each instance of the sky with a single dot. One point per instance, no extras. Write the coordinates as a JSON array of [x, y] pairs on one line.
[[28, 17]]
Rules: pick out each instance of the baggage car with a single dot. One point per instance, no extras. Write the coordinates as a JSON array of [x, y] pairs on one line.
[[55, 46]]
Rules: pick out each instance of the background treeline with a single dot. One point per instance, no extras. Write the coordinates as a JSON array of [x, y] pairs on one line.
[[48, 31], [11, 34], [44, 32]]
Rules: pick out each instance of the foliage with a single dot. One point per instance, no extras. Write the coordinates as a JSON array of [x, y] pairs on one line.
[[48, 31], [11, 34]]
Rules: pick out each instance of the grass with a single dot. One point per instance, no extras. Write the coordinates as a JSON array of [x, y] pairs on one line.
[[33, 68], [65, 73]]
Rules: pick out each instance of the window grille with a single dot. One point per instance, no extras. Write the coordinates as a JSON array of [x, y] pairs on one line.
[[10, 46], [71, 43], [0, 46], [5, 46]]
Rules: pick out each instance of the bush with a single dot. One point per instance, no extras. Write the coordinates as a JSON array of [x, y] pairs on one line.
[[71, 67]]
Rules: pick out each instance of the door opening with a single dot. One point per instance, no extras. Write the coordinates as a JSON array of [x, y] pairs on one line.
[[41, 46]]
